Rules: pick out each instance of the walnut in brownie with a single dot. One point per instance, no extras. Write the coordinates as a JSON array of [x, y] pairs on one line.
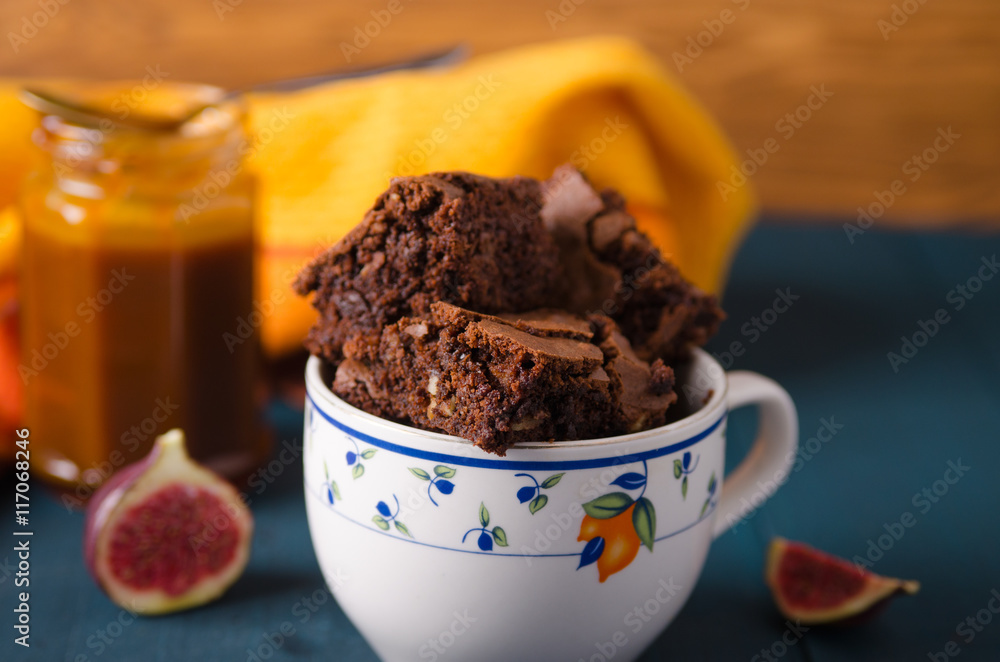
[[614, 269], [545, 375], [464, 239]]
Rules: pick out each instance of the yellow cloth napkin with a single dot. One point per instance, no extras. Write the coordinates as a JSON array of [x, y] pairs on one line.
[[322, 155]]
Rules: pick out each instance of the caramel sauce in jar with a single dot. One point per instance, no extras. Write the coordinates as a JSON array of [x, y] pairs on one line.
[[137, 267]]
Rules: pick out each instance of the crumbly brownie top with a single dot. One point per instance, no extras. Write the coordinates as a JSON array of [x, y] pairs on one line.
[[614, 269], [504, 310], [473, 241]]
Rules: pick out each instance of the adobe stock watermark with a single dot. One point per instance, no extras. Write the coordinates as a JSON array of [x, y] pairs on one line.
[[588, 152], [790, 637], [454, 117], [629, 284], [552, 526], [968, 628], [714, 27], [288, 454], [218, 179], [959, 296], [364, 34], [104, 638], [923, 501], [247, 326], [635, 620], [826, 431], [754, 329], [438, 646], [86, 312], [913, 168], [223, 7], [786, 127], [303, 610], [131, 440], [562, 12], [31, 25], [898, 17]]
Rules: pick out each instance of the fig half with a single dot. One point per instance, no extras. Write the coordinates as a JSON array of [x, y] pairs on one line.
[[166, 534], [815, 588]]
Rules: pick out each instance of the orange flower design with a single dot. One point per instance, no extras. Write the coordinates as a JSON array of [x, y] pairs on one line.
[[616, 526], [620, 541]]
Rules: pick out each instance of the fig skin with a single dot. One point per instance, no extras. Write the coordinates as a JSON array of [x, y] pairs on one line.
[[166, 467], [869, 598]]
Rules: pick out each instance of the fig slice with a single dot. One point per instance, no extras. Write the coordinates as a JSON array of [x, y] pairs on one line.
[[816, 588], [166, 534]]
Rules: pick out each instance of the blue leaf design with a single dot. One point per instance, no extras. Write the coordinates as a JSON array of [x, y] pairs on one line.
[[687, 460], [526, 494], [630, 481], [383, 509], [445, 486], [352, 457], [591, 552], [485, 542], [329, 494]]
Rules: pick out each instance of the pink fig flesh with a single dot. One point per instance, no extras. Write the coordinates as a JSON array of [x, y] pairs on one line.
[[165, 533], [816, 588]]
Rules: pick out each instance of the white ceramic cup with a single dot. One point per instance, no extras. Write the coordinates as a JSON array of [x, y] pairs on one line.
[[576, 550]]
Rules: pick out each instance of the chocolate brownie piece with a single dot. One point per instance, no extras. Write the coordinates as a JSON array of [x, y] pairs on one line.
[[501, 381], [614, 269], [473, 241]]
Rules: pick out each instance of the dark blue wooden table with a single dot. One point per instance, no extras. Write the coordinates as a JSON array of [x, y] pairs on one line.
[[894, 428]]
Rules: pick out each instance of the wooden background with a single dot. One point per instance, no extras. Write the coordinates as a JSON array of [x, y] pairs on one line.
[[891, 93]]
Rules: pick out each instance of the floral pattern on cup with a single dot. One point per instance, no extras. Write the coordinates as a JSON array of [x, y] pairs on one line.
[[330, 489], [533, 493], [616, 525], [354, 458], [487, 536], [682, 468], [711, 498], [439, 480], [386, 516]]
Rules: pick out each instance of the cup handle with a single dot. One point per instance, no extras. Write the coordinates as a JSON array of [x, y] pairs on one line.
[[766, 466]]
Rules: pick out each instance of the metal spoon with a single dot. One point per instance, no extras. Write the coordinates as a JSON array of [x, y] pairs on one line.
[[80, 112]]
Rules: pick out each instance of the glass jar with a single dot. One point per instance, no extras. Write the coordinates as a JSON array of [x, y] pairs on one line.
[[137, 271]]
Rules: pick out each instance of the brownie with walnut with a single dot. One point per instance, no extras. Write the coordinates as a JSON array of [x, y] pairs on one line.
[[543, 375]]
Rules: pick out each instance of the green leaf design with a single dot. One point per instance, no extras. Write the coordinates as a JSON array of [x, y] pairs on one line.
[[678, 468], [326, 471], [607, 506], [444, 472], [369, 454], [420, 473], [684, 488], [380, 522], [402, 529], [644, 521], [538, 503], [552, 480], [499, 536], [336, 490], [484, 515], [711, 483], [704, 507], [358, 471]]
